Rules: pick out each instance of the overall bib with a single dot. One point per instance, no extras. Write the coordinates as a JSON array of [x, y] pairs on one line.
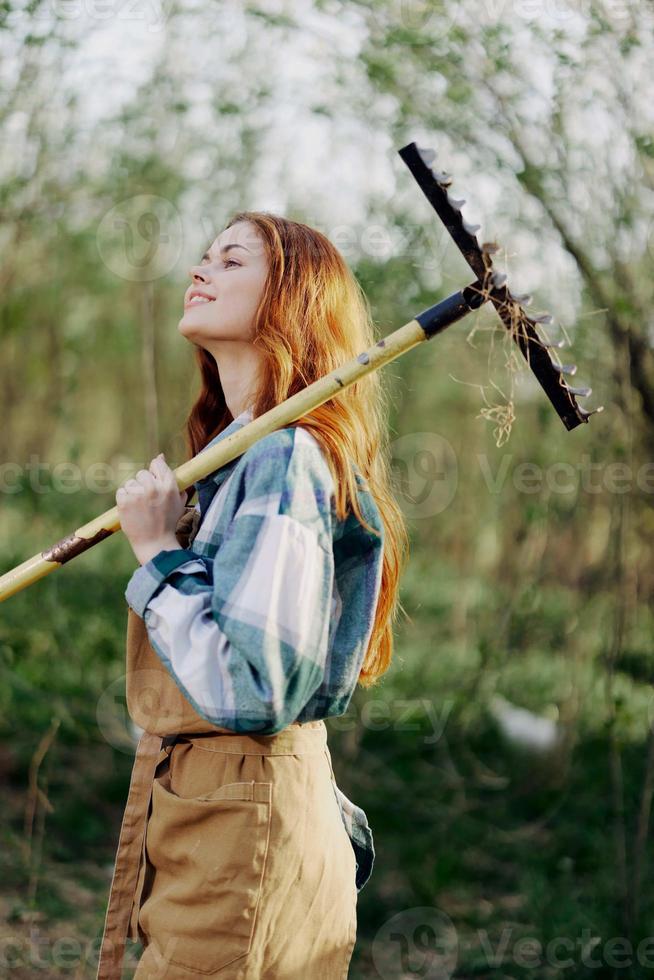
[[233, 860]]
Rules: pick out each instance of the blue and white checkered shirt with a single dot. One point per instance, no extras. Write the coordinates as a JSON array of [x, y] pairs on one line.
[[265, 618]]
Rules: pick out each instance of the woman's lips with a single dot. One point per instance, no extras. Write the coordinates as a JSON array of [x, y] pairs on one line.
[[201, 301]]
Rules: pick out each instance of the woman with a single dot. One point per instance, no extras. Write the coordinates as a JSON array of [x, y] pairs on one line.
[[281, 598]]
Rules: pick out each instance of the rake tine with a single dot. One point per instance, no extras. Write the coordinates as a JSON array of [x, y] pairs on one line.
[[498, 279], [595, 411], [471, 229], [559, 344], [427, 154], [565, 368], [523, 299]]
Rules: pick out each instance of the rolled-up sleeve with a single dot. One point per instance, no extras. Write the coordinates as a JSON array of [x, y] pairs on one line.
[[148, 579], [245, 634]]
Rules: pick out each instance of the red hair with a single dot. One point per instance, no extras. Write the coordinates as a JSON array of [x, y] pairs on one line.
[[313, 317]]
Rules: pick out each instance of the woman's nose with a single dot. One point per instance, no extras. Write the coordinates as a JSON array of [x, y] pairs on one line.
[[197, 274]]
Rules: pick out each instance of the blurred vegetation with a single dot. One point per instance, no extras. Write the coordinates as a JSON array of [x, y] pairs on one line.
[[531, 578]]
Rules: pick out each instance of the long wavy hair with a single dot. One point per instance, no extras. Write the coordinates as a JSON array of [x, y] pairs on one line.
[[313, 317]]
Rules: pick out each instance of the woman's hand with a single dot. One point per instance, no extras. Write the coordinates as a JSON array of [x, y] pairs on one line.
[[149, 507]]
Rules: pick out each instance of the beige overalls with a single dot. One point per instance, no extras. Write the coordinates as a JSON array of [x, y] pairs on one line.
[[233, 860]]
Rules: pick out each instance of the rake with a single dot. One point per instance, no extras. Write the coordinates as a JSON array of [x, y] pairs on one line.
[[492, 286]]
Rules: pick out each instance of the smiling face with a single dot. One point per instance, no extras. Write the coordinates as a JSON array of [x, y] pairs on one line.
[[222, 300]]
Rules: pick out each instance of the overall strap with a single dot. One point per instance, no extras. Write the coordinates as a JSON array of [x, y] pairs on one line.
[[130, 843]]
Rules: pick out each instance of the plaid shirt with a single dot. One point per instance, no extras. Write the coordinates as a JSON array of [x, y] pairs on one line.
[[265, 618]]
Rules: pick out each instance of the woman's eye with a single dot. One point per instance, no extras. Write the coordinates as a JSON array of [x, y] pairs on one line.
[[231, 262]]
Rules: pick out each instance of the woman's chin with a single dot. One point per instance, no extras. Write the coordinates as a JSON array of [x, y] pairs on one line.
[[191, 321], [192, 331]]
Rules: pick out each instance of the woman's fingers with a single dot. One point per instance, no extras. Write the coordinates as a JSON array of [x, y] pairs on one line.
[[163, 472], [159, 476], [145, 479], [132, 488], [160, 468]]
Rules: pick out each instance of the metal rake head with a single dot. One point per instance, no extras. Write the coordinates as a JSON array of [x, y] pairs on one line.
[[492, 284]]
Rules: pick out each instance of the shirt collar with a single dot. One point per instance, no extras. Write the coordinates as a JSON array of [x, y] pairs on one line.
[[208, 485]]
